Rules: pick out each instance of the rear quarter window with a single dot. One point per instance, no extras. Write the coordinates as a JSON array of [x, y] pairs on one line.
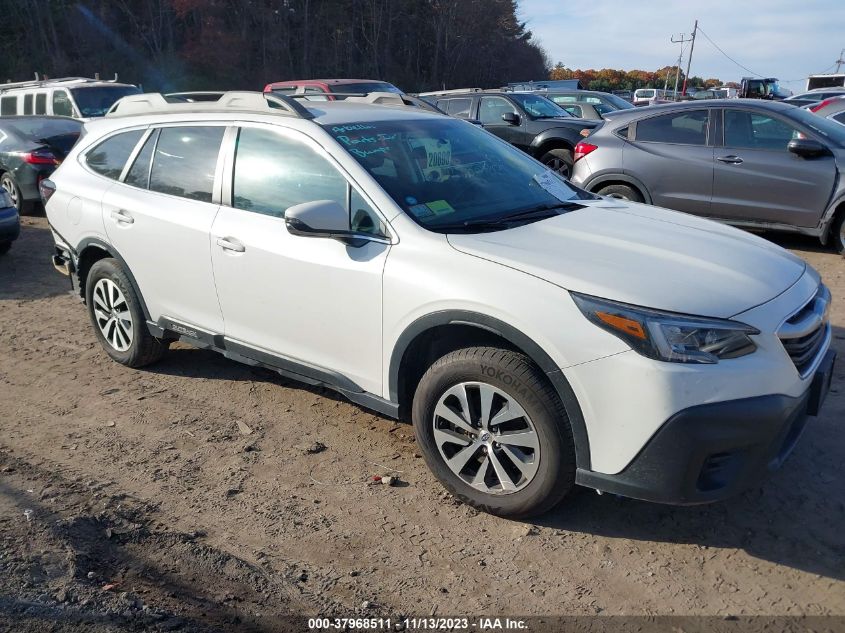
[[109, 157], [8, 106]]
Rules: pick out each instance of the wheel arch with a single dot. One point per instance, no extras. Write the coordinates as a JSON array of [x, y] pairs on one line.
[[89, 252], [828, 222], [439, 333]]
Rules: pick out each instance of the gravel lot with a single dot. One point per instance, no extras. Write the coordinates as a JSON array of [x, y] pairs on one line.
[[184, 497]]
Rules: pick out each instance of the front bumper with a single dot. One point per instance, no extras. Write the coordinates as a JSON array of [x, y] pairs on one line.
[[710, 452], [10, 225]]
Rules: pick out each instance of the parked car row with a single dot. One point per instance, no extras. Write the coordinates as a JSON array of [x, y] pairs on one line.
[[537, 335]]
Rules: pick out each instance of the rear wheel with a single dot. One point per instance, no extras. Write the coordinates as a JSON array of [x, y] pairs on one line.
[[494, 432], [8, 183], [838, 232], [622, 192], [559, 160], [118, 319]]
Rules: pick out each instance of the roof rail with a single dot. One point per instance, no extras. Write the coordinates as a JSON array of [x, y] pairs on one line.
[[438, 93], [41, 83], [155, 102]]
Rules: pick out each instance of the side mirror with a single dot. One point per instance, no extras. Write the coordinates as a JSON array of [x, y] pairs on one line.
[[511, 117], [323, 218], [807, 148]]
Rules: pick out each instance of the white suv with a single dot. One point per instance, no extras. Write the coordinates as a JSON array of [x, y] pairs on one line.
[[538, 336]]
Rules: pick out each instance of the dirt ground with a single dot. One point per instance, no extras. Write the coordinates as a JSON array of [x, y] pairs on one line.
[[184, 497]]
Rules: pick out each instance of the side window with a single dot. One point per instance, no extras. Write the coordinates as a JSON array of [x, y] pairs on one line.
[[139, 173], [458, 107], [584, 99], [27, 104], [61, 103], [563, 99], [839, 117], [602, 109], [749, 130], [8, 106], [273, 173], [574, 110], [185, 160], [109, 157], [492, 108], [317, 94], [41, 103], [686, 128]]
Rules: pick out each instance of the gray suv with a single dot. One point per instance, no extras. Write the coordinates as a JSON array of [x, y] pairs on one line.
[[751, 163]]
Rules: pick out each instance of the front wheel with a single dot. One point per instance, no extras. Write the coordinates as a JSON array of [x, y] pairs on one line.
[[118, 319], [494, 432], [560, 160]]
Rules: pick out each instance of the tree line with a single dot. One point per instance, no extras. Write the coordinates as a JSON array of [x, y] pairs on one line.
[[608, 79], [243, 44]]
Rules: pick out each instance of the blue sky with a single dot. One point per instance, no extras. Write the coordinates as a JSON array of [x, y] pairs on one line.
[[788, 39]]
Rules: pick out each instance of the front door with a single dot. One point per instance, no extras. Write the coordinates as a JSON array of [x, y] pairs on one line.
[[490, 112], [757, 178], [309, 301]]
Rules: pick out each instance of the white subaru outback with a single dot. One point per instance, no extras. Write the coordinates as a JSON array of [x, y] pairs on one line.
[[538, 336]]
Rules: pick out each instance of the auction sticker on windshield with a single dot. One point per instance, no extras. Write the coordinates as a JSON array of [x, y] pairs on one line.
[[554, 185]]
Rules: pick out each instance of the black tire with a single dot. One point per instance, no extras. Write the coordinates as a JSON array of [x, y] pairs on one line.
[[4, 247], [559, 160], [8, 182], [621, 191], [518, 377], [144, 348], [837, 232]]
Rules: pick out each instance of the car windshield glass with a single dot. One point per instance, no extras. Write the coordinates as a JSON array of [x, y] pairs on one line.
[[618, 102], [830, 130], [97, 101], [373, 86], [449, 175], [538, 106], [59, 133]]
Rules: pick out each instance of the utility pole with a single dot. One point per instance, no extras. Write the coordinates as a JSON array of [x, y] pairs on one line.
[[680, 41], [689, 59]]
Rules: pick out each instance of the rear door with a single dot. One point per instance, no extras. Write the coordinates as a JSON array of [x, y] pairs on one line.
[[159, 219], [757, 179], [672, 156]]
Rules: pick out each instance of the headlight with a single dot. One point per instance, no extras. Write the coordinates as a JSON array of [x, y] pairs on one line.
[[669, 336], [5, 199]]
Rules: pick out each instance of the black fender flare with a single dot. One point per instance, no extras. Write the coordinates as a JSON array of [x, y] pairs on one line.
[[516, 338], [556, 135], [597, 181], [112, 251]]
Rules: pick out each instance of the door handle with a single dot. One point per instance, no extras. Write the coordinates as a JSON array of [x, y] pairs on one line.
[[230, 244], [731, 160], [122, 217]]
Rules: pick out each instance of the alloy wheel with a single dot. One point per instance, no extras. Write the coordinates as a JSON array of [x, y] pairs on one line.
[[559, 165], [11, 189], [486, 438], [112, 314]]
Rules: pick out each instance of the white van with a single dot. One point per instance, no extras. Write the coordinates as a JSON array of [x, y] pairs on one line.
[[650, 96], [77, 97]]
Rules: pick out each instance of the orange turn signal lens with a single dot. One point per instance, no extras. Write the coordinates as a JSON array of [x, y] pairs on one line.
[[623, 324]]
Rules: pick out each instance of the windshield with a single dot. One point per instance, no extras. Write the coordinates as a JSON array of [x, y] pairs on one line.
[[618, 102], [449, 174], [372, 86], [96, 101], [57, 133], [648, 94], [538, 106], [832, 131]]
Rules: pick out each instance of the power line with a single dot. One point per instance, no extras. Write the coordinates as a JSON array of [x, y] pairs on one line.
[[745, 68]]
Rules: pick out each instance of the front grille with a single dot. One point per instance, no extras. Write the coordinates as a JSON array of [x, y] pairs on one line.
[[804, 333], [803, 350]]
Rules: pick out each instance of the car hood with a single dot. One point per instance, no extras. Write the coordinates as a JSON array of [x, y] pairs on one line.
[[644, 256]]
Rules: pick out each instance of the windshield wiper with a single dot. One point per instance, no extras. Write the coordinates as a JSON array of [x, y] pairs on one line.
[[539, 212]]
